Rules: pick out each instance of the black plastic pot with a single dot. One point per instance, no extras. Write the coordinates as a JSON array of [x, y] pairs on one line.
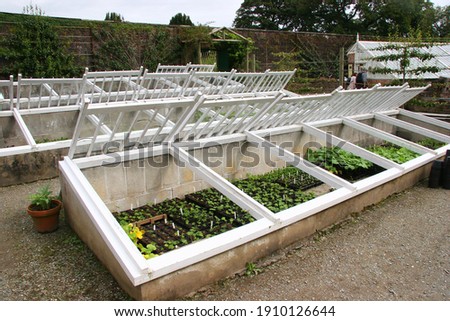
[[445, 176], [434, 181]]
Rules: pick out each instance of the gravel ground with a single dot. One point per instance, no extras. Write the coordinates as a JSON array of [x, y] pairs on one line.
[[396, 250]]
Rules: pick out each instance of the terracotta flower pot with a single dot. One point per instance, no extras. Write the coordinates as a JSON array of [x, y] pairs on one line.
[[45, 221]]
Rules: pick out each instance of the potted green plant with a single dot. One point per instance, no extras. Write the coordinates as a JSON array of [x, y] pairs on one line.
[[44, 210]]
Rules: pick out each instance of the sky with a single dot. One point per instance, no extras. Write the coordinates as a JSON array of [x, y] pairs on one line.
[[215, 13], [206, 12]]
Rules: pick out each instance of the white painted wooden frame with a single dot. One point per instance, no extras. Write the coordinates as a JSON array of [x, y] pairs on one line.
[[184, 68], [386, 136], [126, 253], [47, 92], [111, 86], [7, 94], [247, 203], [227, 115], [413, 128], [171, 68], [201, 67]]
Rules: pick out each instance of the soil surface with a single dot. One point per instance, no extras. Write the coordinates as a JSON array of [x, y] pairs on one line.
[[396, 250]]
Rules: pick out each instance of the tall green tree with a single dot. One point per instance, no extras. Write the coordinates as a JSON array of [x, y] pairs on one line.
[[376, 17], [262, 14], [301, 15], [441, 23], [338, 16], [298, 15], [113, 16], [181, 19], [384, 17]]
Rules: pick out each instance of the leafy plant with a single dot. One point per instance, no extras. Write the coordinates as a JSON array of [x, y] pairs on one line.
[[147, 251], [431, 143], [133, 232], [287, 60], [271, 194], [291, 177], [42, 200], [222, 207], [48, 140], [395, 153], [251, 269], [171, 244], [336, 160], [136, 234], [208, 212], [122, 47]]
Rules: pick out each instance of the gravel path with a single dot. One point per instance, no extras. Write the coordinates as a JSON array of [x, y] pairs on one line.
[[396, 250]]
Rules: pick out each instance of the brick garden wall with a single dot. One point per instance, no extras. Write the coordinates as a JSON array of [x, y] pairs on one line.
[[84, 45]]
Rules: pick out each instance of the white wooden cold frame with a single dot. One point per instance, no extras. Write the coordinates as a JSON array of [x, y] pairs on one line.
[[309, 114]]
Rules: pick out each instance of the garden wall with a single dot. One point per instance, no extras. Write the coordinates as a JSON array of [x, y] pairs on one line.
[[322, 50], [319, 49], [10, 133], [30, 167]]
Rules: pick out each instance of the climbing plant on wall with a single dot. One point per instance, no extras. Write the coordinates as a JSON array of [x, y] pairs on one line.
[[34, 49], [124, 47]]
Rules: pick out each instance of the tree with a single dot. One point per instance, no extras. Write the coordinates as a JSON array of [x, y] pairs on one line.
[[261, 14], [181, 19], [441, 24], [399, 53], [338, 16], [385, 17], [376, 17], [35, 50], [299, 15], [112, 16]]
